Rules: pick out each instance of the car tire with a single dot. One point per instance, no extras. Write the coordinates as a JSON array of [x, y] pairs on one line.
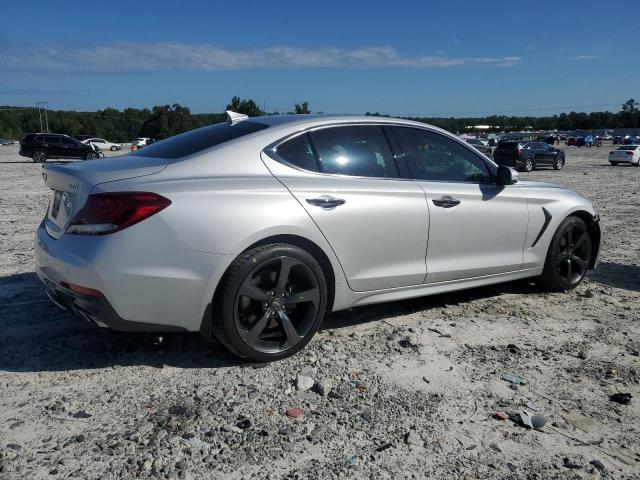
[[39, 156], [568, 257], [91, 156], [558, 164], [529, 165], [113, 148], [260, 318], [613, 164]]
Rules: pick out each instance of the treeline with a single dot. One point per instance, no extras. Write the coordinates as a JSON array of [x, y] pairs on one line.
[[167, 120]]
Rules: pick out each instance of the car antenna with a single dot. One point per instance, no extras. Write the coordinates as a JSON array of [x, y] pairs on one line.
[[233, 117]]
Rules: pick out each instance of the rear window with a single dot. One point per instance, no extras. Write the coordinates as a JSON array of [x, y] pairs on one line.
[[196, 140], [628, 147], [508, 145]]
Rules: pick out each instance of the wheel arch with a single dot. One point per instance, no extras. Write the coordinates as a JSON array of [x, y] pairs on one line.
[[593, 227]]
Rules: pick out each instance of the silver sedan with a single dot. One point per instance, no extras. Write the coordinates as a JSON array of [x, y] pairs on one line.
[[253, 229]]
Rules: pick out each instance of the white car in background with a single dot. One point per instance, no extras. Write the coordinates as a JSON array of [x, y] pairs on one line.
[[103, 144], [625, 154]]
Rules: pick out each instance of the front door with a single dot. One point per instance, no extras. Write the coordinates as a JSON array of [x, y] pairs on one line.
[[475, 227], [347, 180]]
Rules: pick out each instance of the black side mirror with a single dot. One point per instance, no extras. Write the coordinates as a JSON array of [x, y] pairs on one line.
[[506, 176]]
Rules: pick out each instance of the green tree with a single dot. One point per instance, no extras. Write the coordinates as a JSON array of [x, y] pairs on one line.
[[246, 106], [302, 108]]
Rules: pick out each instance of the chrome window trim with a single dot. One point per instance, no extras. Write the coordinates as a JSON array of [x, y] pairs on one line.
[[271, 149]]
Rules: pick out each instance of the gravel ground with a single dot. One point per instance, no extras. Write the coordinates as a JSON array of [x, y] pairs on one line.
[[400, 390]]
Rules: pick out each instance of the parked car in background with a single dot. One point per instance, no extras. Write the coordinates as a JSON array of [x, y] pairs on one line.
[[103, 144], [479, 145], [631, 140], [625, 154], [42, 146], [527, 156], [261, 226], [617, 140], [571, 141]]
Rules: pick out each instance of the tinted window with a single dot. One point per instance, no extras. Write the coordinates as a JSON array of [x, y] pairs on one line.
[[361, 151], [432, 156], [299, 152], [68, 141], [51, 139], [199, 139]]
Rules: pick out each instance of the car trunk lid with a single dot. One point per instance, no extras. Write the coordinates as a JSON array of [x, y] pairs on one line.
[[71, 184]]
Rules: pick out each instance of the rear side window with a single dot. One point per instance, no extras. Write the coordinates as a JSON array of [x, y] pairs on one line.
[[628, 147], [299, 152], [361, 151], [199, 139]]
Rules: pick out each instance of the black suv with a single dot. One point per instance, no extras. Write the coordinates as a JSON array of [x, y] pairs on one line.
[[40, 146], [527, 156]]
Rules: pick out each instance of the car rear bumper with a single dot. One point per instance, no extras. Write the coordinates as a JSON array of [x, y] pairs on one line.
[[143, 278]]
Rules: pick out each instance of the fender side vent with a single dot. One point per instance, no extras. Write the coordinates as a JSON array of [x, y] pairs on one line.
[[547, 220]]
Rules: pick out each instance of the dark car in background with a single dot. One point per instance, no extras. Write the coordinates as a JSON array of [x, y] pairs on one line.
[[479, 145], [617, 140], [41, 146], [527, 156]]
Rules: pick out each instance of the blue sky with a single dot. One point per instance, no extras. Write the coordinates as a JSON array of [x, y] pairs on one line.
[[406, 58]]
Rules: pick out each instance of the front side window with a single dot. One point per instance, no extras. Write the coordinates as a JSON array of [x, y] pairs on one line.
[[358, 150], [435, 157]]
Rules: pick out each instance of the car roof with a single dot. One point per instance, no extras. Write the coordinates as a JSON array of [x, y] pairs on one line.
[[310, 120]]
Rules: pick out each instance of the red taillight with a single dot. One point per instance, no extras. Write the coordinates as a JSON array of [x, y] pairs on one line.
[[629, 153], [110, 212], [90, 292]]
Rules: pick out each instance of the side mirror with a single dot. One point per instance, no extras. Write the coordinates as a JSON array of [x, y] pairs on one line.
[[506, 176]]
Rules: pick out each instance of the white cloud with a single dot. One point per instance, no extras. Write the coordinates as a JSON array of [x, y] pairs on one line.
[[151, 57], [584, 57]]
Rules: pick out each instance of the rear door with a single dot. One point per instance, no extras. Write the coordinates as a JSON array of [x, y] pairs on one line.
[[347, 180], [476, 228]]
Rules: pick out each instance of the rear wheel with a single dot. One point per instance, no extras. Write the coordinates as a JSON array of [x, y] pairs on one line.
[[113, 148], [39, 156], [528, 165], [559, 163], [272, 303], [568, 257], [613, 164]]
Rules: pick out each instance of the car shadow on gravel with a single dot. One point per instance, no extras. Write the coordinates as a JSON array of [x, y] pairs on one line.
[[37, 336], [617, 275]]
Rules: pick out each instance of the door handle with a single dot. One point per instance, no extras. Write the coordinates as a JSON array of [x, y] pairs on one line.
[[326, 202], [446, 202]]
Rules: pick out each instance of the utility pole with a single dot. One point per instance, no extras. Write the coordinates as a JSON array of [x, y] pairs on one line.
[[43, 105]]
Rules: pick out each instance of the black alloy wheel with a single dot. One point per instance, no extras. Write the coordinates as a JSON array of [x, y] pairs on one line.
[[273, 303], [569, 255]]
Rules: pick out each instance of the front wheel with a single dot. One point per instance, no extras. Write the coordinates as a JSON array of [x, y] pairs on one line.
[[113, 148], [91, 156], [569, 256], [271, 303]]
